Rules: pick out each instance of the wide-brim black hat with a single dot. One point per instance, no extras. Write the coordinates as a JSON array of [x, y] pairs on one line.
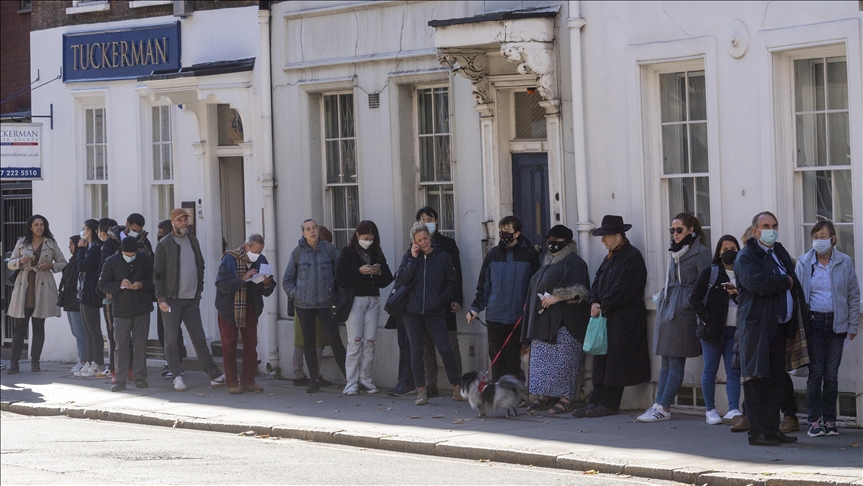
[[611, 225]]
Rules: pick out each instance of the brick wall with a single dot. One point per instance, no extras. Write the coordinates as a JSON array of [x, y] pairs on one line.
[[47, 15], [14, 55]]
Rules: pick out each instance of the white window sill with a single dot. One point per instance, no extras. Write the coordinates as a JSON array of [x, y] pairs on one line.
[[148, 3], [99, 7]]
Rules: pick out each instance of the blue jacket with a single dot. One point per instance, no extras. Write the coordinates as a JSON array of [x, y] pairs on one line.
[[310, 274], [434, 280], [503, 281], [846, 290], [89, 269], [228, 284]]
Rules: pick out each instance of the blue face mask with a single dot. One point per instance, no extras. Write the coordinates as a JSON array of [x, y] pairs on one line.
[[822, 246], [431, 227], [129, 259], [769, 236]]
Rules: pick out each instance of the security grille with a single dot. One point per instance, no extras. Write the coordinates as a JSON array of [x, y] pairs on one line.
[[16, 203]]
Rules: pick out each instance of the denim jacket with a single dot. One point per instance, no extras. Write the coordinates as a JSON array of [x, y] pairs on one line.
[[310, 273]]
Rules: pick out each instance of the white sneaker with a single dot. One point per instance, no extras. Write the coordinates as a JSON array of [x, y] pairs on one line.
[[655, 414], [84, 367], [89, 372], [179, 385], [731, 416], [77, 367], [713, 417], [103, 373], [220, 381]]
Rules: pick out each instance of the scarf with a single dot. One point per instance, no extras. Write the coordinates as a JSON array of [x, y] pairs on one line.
[[240, 297]]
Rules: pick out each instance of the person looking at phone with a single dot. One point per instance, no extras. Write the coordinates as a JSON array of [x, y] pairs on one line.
[[714, 299]]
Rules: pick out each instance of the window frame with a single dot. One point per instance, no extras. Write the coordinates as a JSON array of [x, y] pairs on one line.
[[91, 184], [421, 193], [329, 195], [157, 184]]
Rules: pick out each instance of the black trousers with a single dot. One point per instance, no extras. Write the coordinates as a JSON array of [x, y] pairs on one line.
[[509, 361], [607, 396], [330, 327], [764, 395], [160, 330], [37, 340], [788, 405]]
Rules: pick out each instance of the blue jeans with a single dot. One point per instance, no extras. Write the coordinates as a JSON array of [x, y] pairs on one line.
[[712, 354], [670, 378], [823, 368], [76, 323]]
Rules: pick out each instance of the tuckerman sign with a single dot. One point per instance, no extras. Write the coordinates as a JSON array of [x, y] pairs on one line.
[[120, 54]]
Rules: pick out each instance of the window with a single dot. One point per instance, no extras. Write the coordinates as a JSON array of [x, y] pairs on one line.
[[85, 6], [822, 161], [230, 126], [96, 147], [434, 155], [340, 154], [683, 108], [163, 161], [529, 115]]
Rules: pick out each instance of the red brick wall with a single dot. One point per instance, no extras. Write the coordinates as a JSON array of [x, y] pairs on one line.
[[14, 55], [50, 14]]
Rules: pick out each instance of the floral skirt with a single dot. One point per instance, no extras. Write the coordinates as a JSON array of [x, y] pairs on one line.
[[556, 368]]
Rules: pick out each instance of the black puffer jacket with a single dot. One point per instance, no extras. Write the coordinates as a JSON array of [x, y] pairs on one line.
[[68, 292], [434, 282], [348, 272], [89, 268], [715, 313], [126, 302]]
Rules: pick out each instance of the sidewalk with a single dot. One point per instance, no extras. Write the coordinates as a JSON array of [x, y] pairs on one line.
[[684, 449]]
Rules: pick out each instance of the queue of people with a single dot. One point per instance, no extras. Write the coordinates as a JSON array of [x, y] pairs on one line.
[[748, 305]]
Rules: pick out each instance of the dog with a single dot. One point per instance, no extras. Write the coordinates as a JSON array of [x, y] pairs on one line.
[[506, 394]]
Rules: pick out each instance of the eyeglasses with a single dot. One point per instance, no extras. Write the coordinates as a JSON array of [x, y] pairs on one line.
[[678, 230]]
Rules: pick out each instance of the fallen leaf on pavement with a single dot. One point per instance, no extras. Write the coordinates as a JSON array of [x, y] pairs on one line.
[[775, 459], [271, 394], [356, 404], [335, 410], [388, 408], [855, 444], [415, 416], [202, 394], [448, 430], [592, 471], [248, 433], [176, 423], [482, 460], [265, 436], [319, 401], [458, 421], [438, 416], [584, 431]]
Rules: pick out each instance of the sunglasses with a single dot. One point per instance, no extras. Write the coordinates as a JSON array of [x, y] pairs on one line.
[[678, 230]]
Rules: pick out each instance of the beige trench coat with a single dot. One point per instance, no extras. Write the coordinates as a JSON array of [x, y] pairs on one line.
[[46, 285]]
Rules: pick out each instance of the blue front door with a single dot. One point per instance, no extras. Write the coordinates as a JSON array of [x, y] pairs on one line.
[[530, 195]]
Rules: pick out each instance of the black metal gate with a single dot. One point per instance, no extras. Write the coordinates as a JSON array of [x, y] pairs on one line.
[[16, 205]]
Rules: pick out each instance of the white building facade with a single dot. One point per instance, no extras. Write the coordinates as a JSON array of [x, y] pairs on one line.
[[562, 112]]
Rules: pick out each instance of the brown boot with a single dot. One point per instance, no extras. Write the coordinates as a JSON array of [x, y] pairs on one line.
[[235, 390], [254, 387], [741, 424], [789, 424], [456, 394]]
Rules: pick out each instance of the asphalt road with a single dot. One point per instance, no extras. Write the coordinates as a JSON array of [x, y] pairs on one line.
[[60, 450]]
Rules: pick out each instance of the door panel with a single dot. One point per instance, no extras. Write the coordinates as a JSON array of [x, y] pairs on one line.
[[232, 202], [530, 203]]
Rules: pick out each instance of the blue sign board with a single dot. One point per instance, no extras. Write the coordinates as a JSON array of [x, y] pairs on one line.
[[121, 54]]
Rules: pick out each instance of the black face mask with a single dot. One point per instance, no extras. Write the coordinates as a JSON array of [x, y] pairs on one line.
[[506, 238], [556, 246], [728, 257]]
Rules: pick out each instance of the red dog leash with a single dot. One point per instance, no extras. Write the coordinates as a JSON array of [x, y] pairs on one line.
[[483, 381]]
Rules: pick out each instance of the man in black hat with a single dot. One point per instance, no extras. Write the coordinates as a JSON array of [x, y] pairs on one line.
[[128, 277]]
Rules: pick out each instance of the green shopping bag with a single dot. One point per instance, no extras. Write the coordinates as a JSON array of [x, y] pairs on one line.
[[596, 337]]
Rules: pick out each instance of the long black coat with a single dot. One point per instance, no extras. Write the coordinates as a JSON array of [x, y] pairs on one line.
[[713, 315], [448, 245], [619, 290], [761, 286]]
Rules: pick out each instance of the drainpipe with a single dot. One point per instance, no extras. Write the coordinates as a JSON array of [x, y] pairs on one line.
[[583, 226], [268, 182]]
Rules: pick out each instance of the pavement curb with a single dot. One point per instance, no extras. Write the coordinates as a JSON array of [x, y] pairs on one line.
[[436, 447]]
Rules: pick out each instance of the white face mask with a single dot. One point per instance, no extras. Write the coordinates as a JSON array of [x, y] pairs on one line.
[[133, 234], [432, 227], [129, 259], [822, 246], [365, 244], [83, 235], [253, 257]]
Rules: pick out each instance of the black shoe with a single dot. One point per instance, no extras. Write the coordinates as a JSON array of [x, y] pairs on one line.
[[763, 440], [301, 381], [118, 387], [324, 382], [34, 366], [432, 391], [784, 439], [581, 412], [401, 390], [600, 411], [141, 384], [13, 368], [314, 386]]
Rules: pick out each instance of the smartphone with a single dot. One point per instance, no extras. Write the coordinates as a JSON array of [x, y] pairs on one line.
[[725, 285], [378, 265]]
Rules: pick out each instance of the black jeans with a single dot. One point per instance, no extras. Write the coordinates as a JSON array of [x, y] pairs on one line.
[[160, 330], [37, 339], [417, 327], [607, 396], [764, 395], [330, 327], [406, 374], [823, 369], [93, 326], [509, 362]]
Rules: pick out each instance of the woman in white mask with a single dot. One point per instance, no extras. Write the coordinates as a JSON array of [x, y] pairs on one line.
[[363, 270], [830, 288]]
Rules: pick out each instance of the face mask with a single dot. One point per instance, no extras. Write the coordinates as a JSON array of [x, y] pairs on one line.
[[822, 246], [768, 236], [83, 235], [133, 234], [365, 244], [555, 246], [253, 257], [728, 257], [129, 259], [431, 227], [506, 238]]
